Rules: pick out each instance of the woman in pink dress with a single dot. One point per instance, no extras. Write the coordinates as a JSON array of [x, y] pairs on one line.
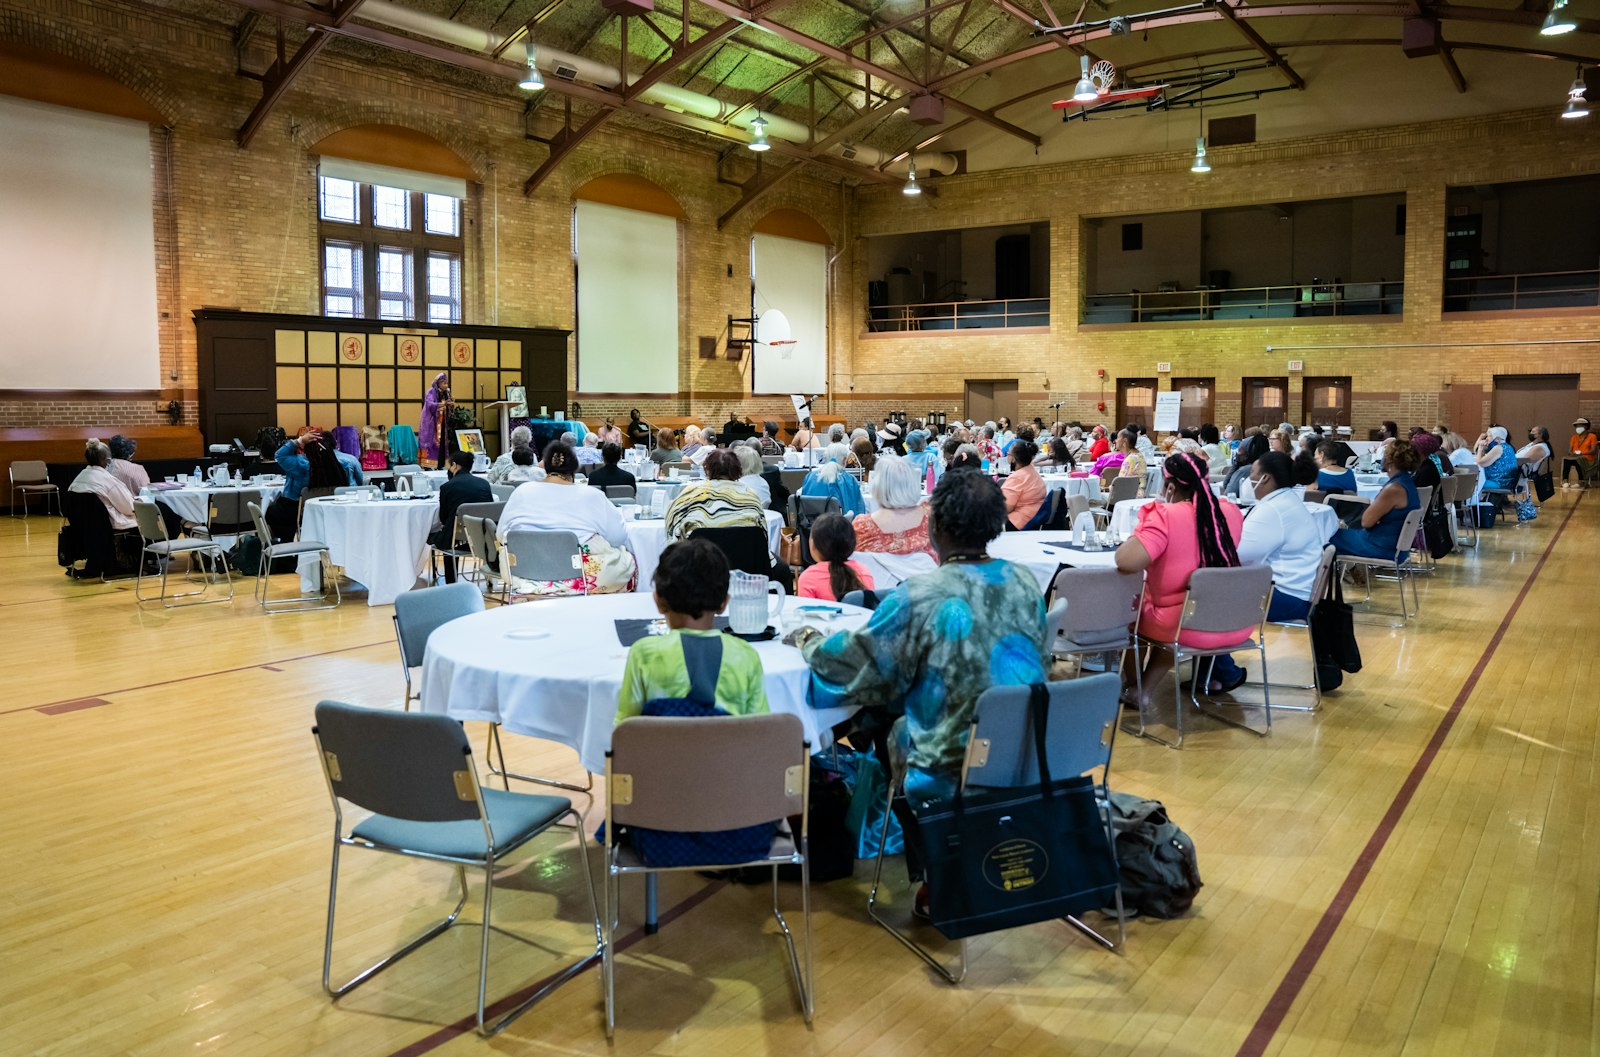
[[1191, 530]]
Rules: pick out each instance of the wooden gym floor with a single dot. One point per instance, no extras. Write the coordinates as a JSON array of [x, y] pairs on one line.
[[1412, 871]]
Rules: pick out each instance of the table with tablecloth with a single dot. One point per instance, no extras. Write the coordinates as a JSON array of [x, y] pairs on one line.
[[381, 544], [192, 503], [551, 669], [647, 538], [1084, 486]]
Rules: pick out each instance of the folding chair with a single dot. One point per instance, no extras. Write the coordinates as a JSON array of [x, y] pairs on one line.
[[502, 492], [406, 469], [271, 550], [745, 547], [1319, 588], [1218, 600], [29, 477], [1462, 508], [551, 557], [153, 533], [864, 599], [689, 775], [803, 512], [1091, 613], [415, 773], [1001, 755], [621, 491], [227, 512], [1400, 565], [485, 550], [1418, 543], [1123, 488], [417, 613]]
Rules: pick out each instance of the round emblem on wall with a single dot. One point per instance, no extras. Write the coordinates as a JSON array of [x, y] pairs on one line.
[[462, 352], [352, 349], [410, 350]]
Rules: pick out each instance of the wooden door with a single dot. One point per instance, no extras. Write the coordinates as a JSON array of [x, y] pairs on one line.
[[1265, 401], [1462, 409], [989, 398], [237, 389], [1327, 403], [1197, 397], [1136, 402], [979, 404], [1524, 400]]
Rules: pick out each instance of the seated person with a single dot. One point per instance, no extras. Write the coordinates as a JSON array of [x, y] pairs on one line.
[[769, 442], [123, 468], [693, 441], [708, 444], [1333, 478], [666, 449], [1498, 459], [1378, 534], [609, 473], [693, 670], [463, 487], [1582, 451], [556, 504], [524, 468], [829, 478], [521, 437], [1098, 445], [719, 501], [1280, 532], [1191, 530], [97, 479], [920, 458], [1211, 446], [1433, 467], [609, 433], [1114, 458], [862, 454], [832, 574], [750, 470], [309, 462], [900, 524], [1024, 489], [638, 433], [588, 452]]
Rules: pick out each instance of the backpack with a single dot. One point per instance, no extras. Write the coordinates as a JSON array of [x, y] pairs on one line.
[[1159, 872]]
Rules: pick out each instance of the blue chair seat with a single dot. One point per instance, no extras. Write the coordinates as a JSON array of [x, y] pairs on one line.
[[514, 816]]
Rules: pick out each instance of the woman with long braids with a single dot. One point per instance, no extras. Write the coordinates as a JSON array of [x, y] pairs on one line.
[[1192, 530]]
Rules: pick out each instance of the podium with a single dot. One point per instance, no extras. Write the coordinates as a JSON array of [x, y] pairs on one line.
[[502, 409]]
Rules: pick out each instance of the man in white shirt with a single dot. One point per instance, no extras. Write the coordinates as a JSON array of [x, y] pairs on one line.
[[94, 479], [1280, 531]]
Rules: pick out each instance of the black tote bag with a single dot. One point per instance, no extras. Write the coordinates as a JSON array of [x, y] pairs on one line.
[[999, 858]]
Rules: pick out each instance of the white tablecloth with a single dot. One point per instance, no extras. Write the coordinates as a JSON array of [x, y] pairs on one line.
[[382, 545], [647, 538], [1125, 515], [889, 570], [1088, 486], [193, 504], [646, 490], [1326, 517], [1368, 485], [563, 685]]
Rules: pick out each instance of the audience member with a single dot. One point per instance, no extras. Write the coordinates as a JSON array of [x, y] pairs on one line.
[[719, 501], [556, 504], [1024, 489], [463, 486], [610, 473], [309, 463], [1333, 478], [666, 449], [770, 445], [96, 479], [832, 574], [521, 437], [829, 478], [1581, 455], [524, 468], [589, 451], [1498, 459], [750, 468], [122, 466], [1378, 534], [900, 524]]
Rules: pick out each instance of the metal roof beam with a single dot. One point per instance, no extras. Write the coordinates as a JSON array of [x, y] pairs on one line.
[[1257, 41]]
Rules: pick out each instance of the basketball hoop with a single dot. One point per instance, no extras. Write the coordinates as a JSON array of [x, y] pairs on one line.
[[772, 329]]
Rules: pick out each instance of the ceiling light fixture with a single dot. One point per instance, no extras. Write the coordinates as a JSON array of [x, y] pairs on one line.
[[758, 128], [1577, 100], [1555, 23], [912, 187], [531, 81], [1086, 91], [1200, 163]]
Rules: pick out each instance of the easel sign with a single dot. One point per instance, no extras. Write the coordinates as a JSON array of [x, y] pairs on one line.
[[802, 407], [1167, 406]]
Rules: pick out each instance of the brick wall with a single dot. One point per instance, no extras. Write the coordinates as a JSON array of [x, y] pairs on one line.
[[237, 228]]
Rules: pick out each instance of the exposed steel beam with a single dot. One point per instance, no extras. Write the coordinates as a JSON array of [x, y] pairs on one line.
[[1257, 41], [281, 75], [793, 36], [988, 118], [565, 142], [757, 186]]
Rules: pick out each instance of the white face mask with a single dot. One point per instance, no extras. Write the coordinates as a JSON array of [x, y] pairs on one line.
[[1580, 430]]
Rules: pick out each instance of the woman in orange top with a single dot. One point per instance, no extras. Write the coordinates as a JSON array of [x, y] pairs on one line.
[[1582, 450], [1024, 489]]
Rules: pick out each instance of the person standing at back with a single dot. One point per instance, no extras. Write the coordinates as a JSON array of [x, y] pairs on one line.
[[463, 487]]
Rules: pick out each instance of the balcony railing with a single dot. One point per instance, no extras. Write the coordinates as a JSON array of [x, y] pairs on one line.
[[1492, 293], [960, 315], [1252, 302]]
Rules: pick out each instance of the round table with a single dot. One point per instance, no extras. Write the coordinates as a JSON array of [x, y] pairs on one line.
[[647, 538], [1085, 486], [1368, 485], [562, 684], [193, 502], [1043, 552], [646, 491], [381, 544]]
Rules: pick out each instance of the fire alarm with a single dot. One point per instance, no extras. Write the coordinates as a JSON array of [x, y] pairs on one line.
[[1102, 373], [1101, 406]]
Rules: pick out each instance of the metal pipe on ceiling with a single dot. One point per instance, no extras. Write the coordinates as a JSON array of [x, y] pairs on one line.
[[548, 59]]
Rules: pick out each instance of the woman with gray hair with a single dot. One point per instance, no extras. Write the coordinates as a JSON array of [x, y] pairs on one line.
[[900, 524], [831, 479], [521, 437], [94, 479], [750, 467]]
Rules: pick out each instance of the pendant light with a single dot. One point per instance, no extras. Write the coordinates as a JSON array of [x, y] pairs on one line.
[[1085, 92], [912, 187], [758, 129], [531, 81], [1577, 101], [1200, 163], [1555, 23]]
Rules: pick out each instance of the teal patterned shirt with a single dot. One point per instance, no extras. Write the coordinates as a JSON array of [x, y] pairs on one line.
[[933, 646]]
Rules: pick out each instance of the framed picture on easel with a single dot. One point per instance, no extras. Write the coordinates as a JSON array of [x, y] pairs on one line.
[[517, 397]]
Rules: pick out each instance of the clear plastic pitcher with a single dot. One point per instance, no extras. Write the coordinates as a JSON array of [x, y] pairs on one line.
[[749, 611]]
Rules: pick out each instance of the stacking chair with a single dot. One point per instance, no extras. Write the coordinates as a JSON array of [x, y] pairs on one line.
[[1092, 613], [1462, 511], [803, 512], [1123, 488], [270, 550], [745, 547], [1319, 587], [416, 615], [615, 492], [533, 554], [29, 477], [372, 491], [696, 775], [406, 470], [415, 773], [228, 513], [1401, 565], [153, 531], [1345, 506], [1218, 600], [502, 492], [1078, 503], [1001, 755], [479, 532], [864, 599], [1314, 495]]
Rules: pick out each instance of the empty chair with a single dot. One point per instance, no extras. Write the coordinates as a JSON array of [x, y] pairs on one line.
[[1123, 488], [406, 470], [153, 531], [502, 492], [621, 491], [227, 514], [416, 774], [29, 478], [416, 615], [271, 550], [546, 557], [1401, 565], [1002, 753], [710, 774], [485, 549], [371, 491], [1092, 613]]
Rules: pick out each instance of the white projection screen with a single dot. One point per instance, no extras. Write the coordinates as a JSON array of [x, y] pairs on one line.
[[791, 276], [80, 266], [627, 300]]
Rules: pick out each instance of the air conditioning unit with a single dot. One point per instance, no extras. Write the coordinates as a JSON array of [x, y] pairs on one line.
[[565, 72]]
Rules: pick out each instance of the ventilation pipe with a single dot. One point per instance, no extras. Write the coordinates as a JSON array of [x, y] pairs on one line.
[[568, 67]]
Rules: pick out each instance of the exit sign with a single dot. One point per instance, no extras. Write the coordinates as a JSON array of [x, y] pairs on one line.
[[1297, 365], [1164, 368]]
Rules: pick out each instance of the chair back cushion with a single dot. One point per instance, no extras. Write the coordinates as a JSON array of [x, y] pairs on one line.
[[149, 519], [1101, 604], [231, 507], [29, 471], [1082, 714], [417, 613], [406, 765], [714, 773]]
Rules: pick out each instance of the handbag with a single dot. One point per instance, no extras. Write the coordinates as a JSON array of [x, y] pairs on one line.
[[1000, 858], [1544, 485], [1526, 510], [1333, 639], [868, 800], [789, 546], [1436, 534]]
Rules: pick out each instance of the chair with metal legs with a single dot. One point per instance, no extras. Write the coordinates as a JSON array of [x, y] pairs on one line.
[[1001, 755], [418, 613], [1092, 612], [271, 550], [1401, 565], [30, 477], [153, 531], [697, 775], [415, 773], [1319, 588]]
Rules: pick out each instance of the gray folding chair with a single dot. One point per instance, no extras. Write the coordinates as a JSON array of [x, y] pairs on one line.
[[1001, 755], [1418, 542], [621, 491], [484, 547], [1092, 613], [1462, 508], [1123, 488], [1319, 587], [228, 509], [502, 492], [1218, 600], [1401, 565], [406, 469], [417, 613], [29, 477], [153, 532], [550, 557], [271, 550], [415, 773], [705, 775], [372, 491]]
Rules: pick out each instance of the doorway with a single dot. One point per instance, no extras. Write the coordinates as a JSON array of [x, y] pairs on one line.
[[1196, 396], [1327, 402], [1266, 400], [989, 398], [1525, 400], [1136, 402]]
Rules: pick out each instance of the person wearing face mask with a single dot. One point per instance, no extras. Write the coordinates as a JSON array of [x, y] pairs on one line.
[[1498, 459], [1582, 451]]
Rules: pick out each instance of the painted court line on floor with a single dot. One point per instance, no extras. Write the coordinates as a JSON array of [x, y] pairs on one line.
[[1294, 981]]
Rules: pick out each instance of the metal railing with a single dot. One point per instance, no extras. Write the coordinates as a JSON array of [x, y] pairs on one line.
[[1249, 302], [959, 315], [1492, 293]]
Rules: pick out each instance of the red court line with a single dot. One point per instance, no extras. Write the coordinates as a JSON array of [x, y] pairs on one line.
[[469, 1023], [72, 706], [197, 675], [1294, 981]]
